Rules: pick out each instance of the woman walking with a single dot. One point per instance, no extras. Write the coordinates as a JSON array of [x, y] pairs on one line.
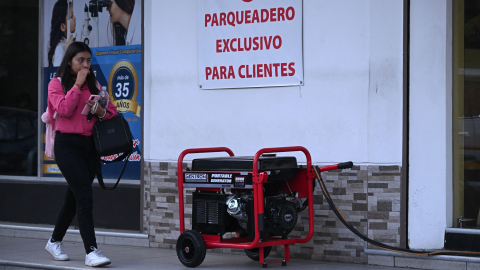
[[74, 148]]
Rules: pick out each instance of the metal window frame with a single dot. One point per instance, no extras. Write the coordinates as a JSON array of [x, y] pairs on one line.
[[405, 127]]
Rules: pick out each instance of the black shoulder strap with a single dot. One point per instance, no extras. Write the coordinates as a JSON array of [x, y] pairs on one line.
[[99, 170]]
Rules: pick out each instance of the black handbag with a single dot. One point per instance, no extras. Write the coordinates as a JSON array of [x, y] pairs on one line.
[[112, 136]]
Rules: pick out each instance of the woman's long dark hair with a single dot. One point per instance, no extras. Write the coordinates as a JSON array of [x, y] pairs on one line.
[[118, 31], [65, 70], [59, 16]]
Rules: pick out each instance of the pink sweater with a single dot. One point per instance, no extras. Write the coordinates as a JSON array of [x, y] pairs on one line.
[[69, 108]]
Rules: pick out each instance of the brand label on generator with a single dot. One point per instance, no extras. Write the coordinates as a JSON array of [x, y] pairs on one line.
[[221, 175], [195, 177], [221, 178]]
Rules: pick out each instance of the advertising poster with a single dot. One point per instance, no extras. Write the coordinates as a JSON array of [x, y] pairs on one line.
[[112, 29], [249, 43]]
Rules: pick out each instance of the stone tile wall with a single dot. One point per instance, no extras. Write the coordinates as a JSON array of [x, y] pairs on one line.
[[367, 196]]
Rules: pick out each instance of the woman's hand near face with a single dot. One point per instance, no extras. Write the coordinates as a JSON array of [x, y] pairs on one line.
[[82, 76], [80, 65]]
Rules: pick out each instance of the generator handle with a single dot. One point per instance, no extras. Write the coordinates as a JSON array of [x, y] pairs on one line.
[[180, 175], [202, 150], [344, 165], [278, 150]]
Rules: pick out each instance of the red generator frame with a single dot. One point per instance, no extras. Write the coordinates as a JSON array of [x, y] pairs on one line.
[[302, 182]]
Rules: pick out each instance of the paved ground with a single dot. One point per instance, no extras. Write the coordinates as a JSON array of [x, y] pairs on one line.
[[32, 254]]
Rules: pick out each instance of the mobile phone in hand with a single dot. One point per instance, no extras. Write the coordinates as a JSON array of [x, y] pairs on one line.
[[87, 108]]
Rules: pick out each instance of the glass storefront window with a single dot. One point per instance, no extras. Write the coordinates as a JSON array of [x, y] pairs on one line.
[[19, 87], [466, 110]]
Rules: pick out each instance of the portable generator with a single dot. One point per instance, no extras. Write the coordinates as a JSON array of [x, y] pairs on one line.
[[254, 198]]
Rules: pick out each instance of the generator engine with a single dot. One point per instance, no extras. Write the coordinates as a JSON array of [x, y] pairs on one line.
[[220, 212], [281, 215]]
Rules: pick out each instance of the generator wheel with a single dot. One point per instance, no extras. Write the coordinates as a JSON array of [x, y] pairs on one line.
[[191, 248], [254, 253]]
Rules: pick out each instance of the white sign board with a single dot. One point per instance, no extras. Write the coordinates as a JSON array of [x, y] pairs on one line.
[[249, 43]]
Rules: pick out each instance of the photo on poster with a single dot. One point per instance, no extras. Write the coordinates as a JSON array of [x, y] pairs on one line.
[[112, 30], [97, 23]]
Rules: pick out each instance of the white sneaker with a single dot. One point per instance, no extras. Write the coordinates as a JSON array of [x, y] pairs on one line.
[[56, 249], [95, 258]]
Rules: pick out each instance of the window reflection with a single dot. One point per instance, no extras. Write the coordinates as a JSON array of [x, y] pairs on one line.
[[19, 87], [18, 141], [467, 114]]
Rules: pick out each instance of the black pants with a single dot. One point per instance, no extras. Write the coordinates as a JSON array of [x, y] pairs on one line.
[[76, 157]]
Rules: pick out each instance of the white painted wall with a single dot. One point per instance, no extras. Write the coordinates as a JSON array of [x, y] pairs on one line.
[[430, 123], [350, 107]]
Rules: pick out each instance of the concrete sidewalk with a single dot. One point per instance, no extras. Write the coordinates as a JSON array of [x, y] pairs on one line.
[[25, 253]]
